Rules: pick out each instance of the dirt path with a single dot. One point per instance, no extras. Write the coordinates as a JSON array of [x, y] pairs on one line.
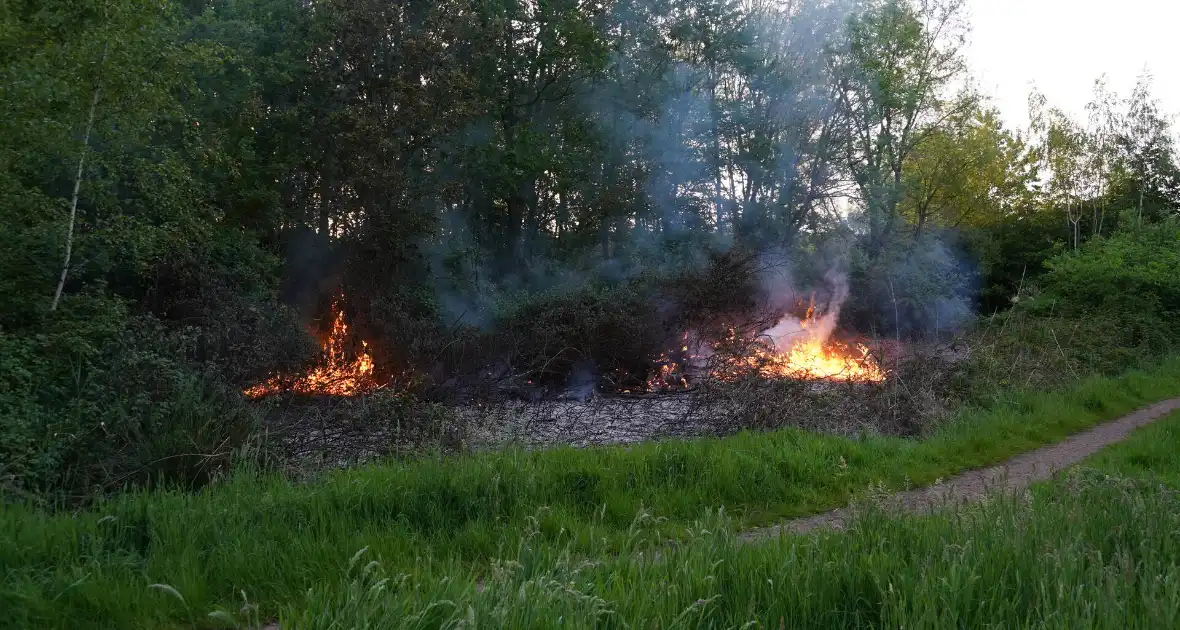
[[1014, 475]]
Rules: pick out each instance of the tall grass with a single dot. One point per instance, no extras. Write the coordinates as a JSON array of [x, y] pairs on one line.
[[1090, 552], [429, 518]]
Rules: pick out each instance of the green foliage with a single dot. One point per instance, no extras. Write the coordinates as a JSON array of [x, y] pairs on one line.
[[1093, 550], [166, 307], [1011, 256], [968, 174], [1135, 273], [1103, 309], [247, 161], [605, 333], [614, 329], [915, 287], [92, 404]]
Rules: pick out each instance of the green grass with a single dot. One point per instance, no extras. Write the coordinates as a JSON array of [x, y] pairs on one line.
[[1094, 549], [436, 524]]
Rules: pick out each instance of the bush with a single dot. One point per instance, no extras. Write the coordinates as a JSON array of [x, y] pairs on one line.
[[612, 333], [1108, 307], [1012, 254], [223, 292], [1135, 273], [913, 288], [136, 378], [100, 399]]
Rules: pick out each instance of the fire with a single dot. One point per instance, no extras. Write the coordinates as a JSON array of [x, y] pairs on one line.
[[802, 349], [809, 359], [671, 373], [336, 375], [806, 350]]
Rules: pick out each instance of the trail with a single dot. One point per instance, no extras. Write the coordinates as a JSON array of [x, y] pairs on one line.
[[1014, 475]]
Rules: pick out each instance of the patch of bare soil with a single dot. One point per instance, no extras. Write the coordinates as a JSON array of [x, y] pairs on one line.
[[1013, 475]]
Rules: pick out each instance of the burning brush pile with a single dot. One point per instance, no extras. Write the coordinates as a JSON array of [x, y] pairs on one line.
[[599, 368], [800, 349], [797, 371], [345, 367]]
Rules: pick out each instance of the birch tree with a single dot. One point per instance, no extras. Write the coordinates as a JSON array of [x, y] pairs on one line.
[[1102, 127], [1148, 150]]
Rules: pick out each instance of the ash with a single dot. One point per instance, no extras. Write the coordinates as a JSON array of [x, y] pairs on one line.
[[596, 421]]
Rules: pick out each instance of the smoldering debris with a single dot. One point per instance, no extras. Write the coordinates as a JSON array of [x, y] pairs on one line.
[[324, 432]]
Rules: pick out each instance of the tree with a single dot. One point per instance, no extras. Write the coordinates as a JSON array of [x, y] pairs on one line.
[[788, 134], [1148, 155], [93, 85], [1102, 126], [971, 173], [892, 83]]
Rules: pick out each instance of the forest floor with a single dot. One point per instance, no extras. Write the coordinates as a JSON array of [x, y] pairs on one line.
[[583, 534]]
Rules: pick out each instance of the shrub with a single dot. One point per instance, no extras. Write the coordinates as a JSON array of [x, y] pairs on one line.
[[913, 288], [1135, 273], [100, 399], [612, 333]]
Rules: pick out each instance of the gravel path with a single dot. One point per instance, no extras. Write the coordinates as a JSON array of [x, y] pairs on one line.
[[1013, 475]]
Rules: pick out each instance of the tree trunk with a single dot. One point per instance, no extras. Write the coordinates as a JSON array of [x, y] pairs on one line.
[[65, 266], [604, 238], [1141, 184], [514, 226], [323, 219], [532, 219], [517, 206], [719, 205]]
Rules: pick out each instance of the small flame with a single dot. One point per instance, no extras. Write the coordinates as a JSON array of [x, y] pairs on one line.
[[671, 374], [336, 375]]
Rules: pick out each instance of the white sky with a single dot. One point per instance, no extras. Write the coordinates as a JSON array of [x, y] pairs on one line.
[[1062, 46]]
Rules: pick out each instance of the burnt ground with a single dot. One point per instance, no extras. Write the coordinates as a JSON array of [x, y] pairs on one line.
[[330, 432], [1012, 476]]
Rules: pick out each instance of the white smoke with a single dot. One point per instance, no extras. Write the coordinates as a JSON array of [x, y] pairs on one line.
[[790, 330]]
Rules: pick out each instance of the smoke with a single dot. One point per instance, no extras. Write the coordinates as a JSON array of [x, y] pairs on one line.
[[824, 305], [653, 202], [916, 288], [582, 381], [657, 113], [938, 286]]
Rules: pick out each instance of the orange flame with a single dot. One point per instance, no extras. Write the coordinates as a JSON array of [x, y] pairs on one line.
[[797, 349], [809, 353], [808, 359], [336, 375]]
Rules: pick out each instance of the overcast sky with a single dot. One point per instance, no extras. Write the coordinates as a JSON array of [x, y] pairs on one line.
[[1062, 46]]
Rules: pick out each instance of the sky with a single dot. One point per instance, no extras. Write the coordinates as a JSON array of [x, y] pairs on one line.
[[1062, 46]]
